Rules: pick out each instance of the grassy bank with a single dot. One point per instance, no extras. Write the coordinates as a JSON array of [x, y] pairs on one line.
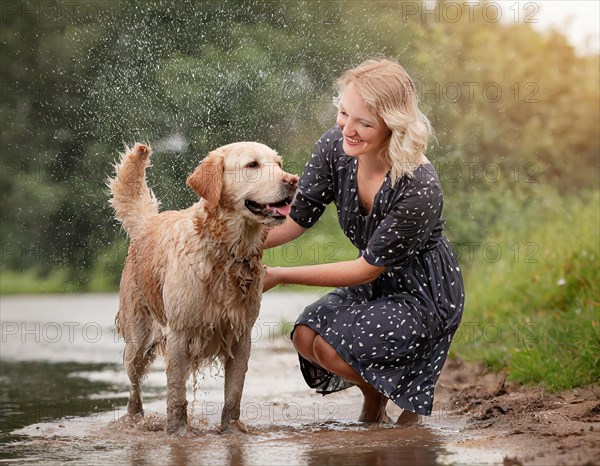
[[32, 282], [533, 292]]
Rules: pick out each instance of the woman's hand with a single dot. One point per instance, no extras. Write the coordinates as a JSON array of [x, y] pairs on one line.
[[271, 278]]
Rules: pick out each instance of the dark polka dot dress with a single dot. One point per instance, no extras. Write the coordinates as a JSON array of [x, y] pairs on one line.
[[395, 331]]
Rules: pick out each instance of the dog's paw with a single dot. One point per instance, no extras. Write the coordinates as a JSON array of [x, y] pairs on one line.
[[130, 420], [238, 426], [179, 431], [142, 150]]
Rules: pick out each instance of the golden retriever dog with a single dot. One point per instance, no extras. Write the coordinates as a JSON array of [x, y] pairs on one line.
[[192, 281]]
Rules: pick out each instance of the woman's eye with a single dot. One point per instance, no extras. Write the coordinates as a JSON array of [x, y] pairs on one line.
[[253, 164], [343, 113]]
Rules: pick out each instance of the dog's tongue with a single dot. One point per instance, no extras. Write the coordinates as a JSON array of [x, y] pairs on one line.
[[283, 211]]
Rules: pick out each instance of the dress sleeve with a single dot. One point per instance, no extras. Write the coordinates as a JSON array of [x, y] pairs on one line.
[[315, 187], [408, 225]]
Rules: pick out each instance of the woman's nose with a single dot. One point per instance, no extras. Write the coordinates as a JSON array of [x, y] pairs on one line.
[[348, 129]]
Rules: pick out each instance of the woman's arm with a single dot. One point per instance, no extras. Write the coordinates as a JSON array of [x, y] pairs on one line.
[[284, 233], [347, 273]]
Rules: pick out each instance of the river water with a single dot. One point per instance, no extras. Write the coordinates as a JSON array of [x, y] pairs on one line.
[[63, 390]]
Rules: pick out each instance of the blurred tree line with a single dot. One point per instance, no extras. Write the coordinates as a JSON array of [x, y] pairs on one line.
[[515, 111]]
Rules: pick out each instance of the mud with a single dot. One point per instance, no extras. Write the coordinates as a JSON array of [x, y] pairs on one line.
[[538, 428]]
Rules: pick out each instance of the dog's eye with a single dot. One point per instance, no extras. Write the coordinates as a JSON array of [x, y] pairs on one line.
[[253, 164]]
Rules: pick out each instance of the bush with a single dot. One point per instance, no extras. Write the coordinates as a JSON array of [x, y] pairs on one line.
[[535, 311]]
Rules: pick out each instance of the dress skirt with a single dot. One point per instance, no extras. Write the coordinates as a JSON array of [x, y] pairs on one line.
[[397, 340]]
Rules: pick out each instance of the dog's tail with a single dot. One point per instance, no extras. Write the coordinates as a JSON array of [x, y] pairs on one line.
[[131, 198]]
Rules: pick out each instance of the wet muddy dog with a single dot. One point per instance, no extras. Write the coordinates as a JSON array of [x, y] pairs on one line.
[[192, 281]]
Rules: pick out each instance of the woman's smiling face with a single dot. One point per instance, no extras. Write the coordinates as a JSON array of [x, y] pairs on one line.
[[364, 133]]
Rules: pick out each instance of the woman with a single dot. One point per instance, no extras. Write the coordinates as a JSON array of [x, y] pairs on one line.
[[388, 326]]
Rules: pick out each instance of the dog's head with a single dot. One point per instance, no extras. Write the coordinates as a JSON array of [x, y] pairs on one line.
[[248, 178]]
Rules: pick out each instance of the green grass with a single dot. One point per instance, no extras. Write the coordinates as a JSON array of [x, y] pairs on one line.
[[535, 310], [323, 243], [32, 282]]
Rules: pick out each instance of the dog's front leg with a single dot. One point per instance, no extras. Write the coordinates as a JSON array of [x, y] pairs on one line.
[[177, 365], [235, 373]]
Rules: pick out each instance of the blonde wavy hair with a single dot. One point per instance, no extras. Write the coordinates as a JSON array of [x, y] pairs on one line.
[[389, 93]]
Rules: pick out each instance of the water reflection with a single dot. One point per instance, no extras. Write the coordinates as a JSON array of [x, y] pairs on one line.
[[308, 445], [236, 455], [412, 446], [396, 456], [37, 391], [412, 454]]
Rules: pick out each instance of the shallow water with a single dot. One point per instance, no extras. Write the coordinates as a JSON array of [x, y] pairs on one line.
[[63, 390]]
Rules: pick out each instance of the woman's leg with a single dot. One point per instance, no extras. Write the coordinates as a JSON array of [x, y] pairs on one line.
[[373, 409], [313, 347], [303, 340]]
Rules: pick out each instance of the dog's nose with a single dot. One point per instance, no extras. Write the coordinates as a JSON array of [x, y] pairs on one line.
[[290, 179]]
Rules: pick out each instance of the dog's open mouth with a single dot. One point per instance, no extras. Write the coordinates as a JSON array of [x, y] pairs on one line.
[[279, 209]]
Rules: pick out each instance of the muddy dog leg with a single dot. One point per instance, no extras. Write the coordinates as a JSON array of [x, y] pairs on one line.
[[235, 373], [137, 358], [178, 369], [133, 325]]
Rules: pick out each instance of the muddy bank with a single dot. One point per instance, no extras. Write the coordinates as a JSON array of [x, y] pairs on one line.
[[536, 427]]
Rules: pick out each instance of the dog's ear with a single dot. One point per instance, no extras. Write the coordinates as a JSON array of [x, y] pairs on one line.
[[207, 178]]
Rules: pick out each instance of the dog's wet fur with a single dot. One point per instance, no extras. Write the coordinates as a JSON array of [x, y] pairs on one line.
[[192, 281]]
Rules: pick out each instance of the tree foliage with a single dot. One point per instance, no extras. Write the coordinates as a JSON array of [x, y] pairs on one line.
[[513, 108]]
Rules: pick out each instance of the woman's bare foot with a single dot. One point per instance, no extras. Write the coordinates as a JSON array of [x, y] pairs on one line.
[[407, 417], [373, 408]]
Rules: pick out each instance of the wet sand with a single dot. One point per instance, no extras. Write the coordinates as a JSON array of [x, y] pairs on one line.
[[477, 418]]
